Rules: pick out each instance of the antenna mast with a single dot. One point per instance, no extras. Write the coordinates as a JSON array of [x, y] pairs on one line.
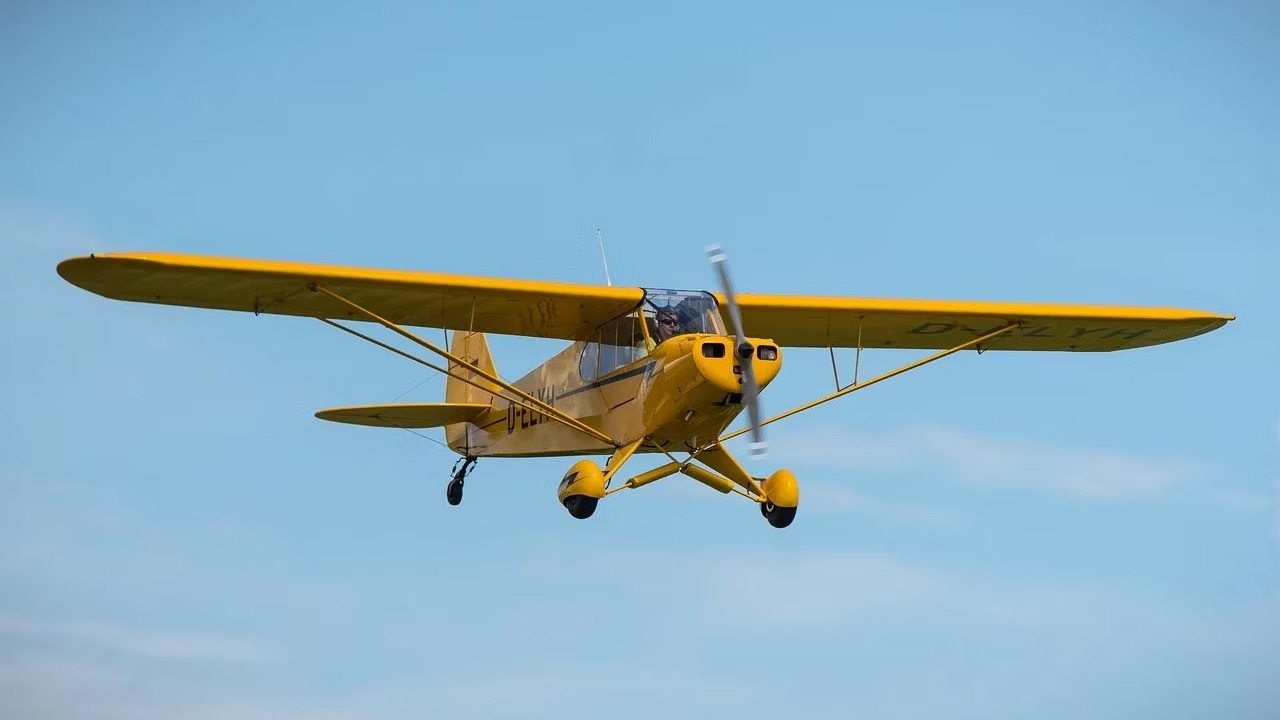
[[600, 238]]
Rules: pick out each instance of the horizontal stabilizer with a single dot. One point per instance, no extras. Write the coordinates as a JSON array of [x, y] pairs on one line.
[[408, 415]]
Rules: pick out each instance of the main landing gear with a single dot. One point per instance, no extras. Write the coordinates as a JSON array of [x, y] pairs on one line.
[[778, 495], [453, 493], [586, 483], [778, 517]]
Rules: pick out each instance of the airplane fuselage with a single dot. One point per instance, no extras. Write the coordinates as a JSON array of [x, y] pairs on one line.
[[684, 393]]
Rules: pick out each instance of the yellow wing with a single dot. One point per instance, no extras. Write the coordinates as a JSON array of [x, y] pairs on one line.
[[423, 299], [572, 312], [796, 321], [405, 415]]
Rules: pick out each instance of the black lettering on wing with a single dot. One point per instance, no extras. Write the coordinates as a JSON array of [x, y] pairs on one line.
[[1126, 334], [932, 329]]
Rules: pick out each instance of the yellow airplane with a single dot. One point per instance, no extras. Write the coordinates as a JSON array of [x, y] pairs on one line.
[[648, 371]]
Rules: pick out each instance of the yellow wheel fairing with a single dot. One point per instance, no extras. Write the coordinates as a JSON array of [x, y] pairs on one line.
[[782, 490], [584, 478]]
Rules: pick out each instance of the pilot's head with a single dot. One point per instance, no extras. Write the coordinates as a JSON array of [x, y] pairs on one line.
[[668, 323]]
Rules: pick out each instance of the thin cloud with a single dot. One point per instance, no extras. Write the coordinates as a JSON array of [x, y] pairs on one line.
[[60, 688], [718, 591], [819, 590], [818, 593], [689, 597], [827, 498], [147, 644], [946, 453]]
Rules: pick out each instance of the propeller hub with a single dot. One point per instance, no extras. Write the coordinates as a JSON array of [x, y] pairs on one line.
[[746, 350]]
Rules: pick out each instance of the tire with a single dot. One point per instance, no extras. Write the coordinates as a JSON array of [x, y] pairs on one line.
[[778, 517], [581, 506]]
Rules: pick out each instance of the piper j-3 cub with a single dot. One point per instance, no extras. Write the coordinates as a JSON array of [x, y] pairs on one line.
[[648, 371]]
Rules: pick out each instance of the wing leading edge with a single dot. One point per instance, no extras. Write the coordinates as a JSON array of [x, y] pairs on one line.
[[422, 299]]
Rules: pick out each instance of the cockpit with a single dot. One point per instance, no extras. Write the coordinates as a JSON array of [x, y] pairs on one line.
[[662, 315], [669, 313]]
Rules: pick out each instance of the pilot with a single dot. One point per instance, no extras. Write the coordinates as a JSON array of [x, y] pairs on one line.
[[668, 324]]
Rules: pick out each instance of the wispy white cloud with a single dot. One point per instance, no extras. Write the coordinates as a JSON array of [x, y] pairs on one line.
[[142, 643], [673, 597], [832, 498], [825, 497], [56, 686], [818, 591], [63, 688], [947, 453], [558, 692]]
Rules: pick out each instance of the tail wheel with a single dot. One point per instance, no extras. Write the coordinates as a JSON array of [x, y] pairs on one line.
[[464, 466], [581, 506], [778, 517]]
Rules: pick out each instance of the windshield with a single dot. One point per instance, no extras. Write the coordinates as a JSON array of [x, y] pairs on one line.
[[669, 313]]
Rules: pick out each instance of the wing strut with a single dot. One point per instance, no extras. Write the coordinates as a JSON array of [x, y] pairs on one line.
[[420, 361], [546, 409], [858, 386]]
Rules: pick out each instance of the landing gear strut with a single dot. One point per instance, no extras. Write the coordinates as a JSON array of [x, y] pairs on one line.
[[453, 493]]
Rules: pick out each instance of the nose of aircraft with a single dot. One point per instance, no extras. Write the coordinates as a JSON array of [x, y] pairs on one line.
[[720, 362]]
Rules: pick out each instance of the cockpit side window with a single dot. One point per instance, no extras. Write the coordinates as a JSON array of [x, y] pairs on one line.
[[590, 364], [616, 344], [664, 314]]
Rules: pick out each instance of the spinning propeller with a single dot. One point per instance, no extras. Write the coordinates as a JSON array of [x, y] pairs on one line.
[[744, 352]]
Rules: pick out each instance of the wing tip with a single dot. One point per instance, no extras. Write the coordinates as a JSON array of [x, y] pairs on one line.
[[73, 269]]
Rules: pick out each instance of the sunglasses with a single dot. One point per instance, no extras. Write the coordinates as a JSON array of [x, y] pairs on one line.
[[668, 321]]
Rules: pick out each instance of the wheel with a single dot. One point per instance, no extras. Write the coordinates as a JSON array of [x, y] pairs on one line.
[[581, 506], [453, 493], [778, 517]]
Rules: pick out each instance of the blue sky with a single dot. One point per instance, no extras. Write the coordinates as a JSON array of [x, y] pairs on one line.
[[1058, 536]]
